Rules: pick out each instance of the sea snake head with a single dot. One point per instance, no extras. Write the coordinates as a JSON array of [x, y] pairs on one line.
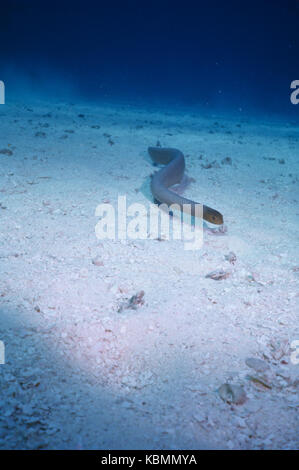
[[212, 216]]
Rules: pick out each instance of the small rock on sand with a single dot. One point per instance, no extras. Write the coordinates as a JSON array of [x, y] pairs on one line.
[[231, 257], [257, 364], [232, 394], [97, 262]]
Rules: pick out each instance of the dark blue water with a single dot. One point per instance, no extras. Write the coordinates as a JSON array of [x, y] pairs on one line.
[[229, 56]]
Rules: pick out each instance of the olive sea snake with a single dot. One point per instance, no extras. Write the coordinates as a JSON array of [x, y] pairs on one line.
[[172, 174]]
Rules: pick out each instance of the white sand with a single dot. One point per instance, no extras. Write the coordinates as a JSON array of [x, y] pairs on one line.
[[80, 374]]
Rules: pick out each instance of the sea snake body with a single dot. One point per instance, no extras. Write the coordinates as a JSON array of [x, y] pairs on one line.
[[171, 174]]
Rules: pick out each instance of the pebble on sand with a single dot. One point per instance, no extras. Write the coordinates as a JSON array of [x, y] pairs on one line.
[[257, 364], [97, 262], [232, 394]]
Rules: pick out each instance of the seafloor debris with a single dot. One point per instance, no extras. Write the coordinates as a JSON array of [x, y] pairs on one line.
[[218, 275], [40, 134], [251, 279], [257, 364], [136, 300], [97, 261], [232, 394], [279, 350], [231, 257], [208, 165], [226, 161], [133, 302], [6, 152], [260, 382], [220, 230]]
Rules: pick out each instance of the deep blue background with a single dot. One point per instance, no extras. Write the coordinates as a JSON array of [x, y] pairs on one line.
[[223, 54]]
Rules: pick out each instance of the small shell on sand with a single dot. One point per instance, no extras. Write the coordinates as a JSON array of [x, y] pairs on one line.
[[218, 275]]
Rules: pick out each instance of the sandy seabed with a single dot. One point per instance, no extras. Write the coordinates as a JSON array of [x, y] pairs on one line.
[[82, 368]]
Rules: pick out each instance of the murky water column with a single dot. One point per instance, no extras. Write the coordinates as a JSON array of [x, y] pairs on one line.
[[2, 92]]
